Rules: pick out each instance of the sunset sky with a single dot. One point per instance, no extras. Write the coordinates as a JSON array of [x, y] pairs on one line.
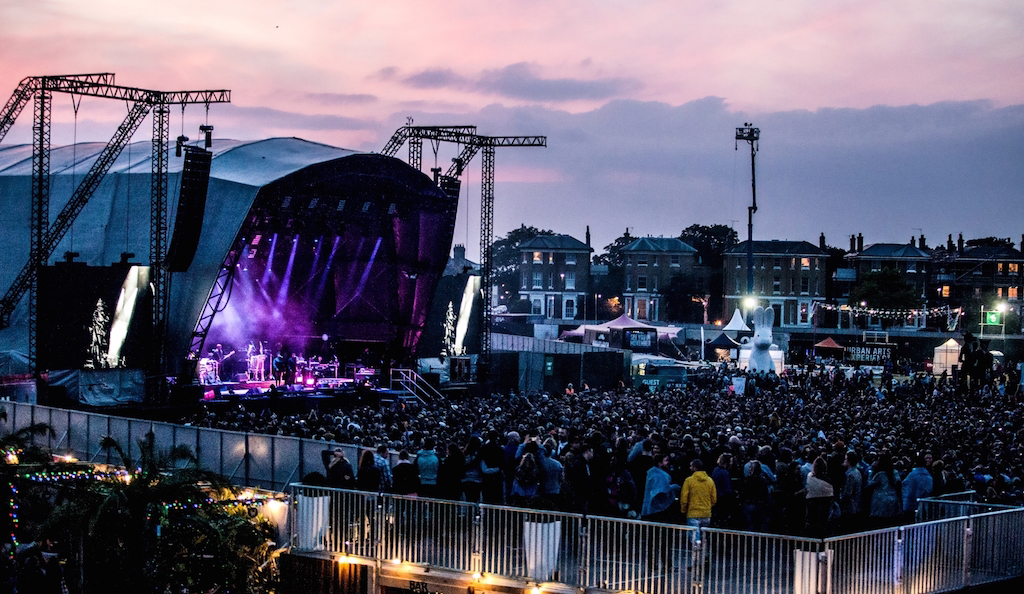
[[889, 119]]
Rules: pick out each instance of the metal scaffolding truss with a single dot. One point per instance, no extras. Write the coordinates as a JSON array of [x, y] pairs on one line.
[[45, 236], [472, 144]]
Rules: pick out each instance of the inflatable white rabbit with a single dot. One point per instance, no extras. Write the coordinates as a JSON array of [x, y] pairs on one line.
[[760, 358]]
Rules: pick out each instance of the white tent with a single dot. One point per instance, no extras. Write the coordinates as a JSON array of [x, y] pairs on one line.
[[737, 324], [946, 356]]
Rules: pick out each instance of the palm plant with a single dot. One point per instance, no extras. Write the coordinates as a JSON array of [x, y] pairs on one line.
[[21, 443], [154, 528]]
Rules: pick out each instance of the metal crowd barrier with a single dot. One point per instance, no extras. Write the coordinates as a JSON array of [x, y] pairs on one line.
[[628, 555], [957, 542], [251, 459]]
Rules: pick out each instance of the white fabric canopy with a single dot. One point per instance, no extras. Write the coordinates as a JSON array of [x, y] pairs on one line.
[[737, 324]]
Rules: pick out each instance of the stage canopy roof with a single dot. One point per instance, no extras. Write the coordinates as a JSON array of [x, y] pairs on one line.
[[335, 242]]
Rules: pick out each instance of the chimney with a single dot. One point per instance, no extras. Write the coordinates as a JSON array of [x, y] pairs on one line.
[[960, 244], [588, 235], [853, 243], [949, 243], [913, 241], [922, 245], [860, 242], [459, 253], [821, 241]]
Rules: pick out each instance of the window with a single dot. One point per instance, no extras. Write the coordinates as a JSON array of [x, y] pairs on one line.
[[654, 260], [792, 285], [876, 266], [805, 263], [525, 260], [538, 258], [523, 285], [1011, 293], [570, 259], [674, 260], [912, 267], [817, 283], [570, 309], [629, 283], [777, 286], [551, 257], [641, 259], [654, 283], [551, 281], [536, 307], [1013, 267], [805, 286], [538, 280], [777, 265], [945, 291], [792, 264], [570, 281], [803, 313], [641, 283]]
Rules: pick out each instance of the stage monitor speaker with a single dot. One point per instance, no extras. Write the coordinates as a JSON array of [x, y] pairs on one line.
[[188, 221]]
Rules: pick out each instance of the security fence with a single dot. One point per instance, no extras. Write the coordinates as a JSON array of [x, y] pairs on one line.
[[250, 459], [629, 555], [957, 542]]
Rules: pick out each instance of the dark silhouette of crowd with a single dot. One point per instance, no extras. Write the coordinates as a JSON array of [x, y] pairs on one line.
[[811, 452]]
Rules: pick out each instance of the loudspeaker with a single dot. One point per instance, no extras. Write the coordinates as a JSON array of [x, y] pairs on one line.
[[188, 220]]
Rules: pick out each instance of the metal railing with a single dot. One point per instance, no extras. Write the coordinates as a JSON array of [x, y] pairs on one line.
[[534, 546], [413, 384], [250, 459]]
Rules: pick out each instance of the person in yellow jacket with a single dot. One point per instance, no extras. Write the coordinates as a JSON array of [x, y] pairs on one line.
[[697, 498]]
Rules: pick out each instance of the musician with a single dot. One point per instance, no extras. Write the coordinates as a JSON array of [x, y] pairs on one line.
[[223, 363]]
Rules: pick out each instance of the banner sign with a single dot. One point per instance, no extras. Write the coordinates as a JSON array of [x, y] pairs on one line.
[[869, 354]]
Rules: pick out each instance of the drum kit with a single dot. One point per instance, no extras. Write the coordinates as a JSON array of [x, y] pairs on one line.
[[257, 368]]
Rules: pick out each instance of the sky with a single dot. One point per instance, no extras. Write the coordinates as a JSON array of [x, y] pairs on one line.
[[889, 119]]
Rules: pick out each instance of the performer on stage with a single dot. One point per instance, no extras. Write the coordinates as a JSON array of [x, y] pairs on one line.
[[224, 370]]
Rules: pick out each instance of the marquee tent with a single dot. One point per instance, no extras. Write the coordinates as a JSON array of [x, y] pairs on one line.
[[946, 355]]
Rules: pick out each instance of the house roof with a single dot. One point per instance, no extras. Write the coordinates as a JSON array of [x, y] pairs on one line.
[[659, 244], [891, 251], [989, 252], [565, 243], [779, 247]]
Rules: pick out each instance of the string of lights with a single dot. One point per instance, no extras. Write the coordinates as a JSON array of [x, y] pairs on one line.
[[893, 314], [13, 514]]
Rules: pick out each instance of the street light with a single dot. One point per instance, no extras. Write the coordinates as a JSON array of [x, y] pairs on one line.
[[596, 297]]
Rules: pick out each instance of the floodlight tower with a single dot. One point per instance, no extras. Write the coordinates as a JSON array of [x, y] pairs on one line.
[[751, 135]]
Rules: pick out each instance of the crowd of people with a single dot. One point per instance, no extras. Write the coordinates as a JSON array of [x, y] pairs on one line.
[[810, 452]]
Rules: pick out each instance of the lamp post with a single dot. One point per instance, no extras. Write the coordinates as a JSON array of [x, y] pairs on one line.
[[751, 135], [596, 297]]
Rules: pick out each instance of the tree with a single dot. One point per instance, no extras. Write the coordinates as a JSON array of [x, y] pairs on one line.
[[609, 286], [711, 243], [683, 301], [505, 257], [885, 289], [990, 242], [155, 529]]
